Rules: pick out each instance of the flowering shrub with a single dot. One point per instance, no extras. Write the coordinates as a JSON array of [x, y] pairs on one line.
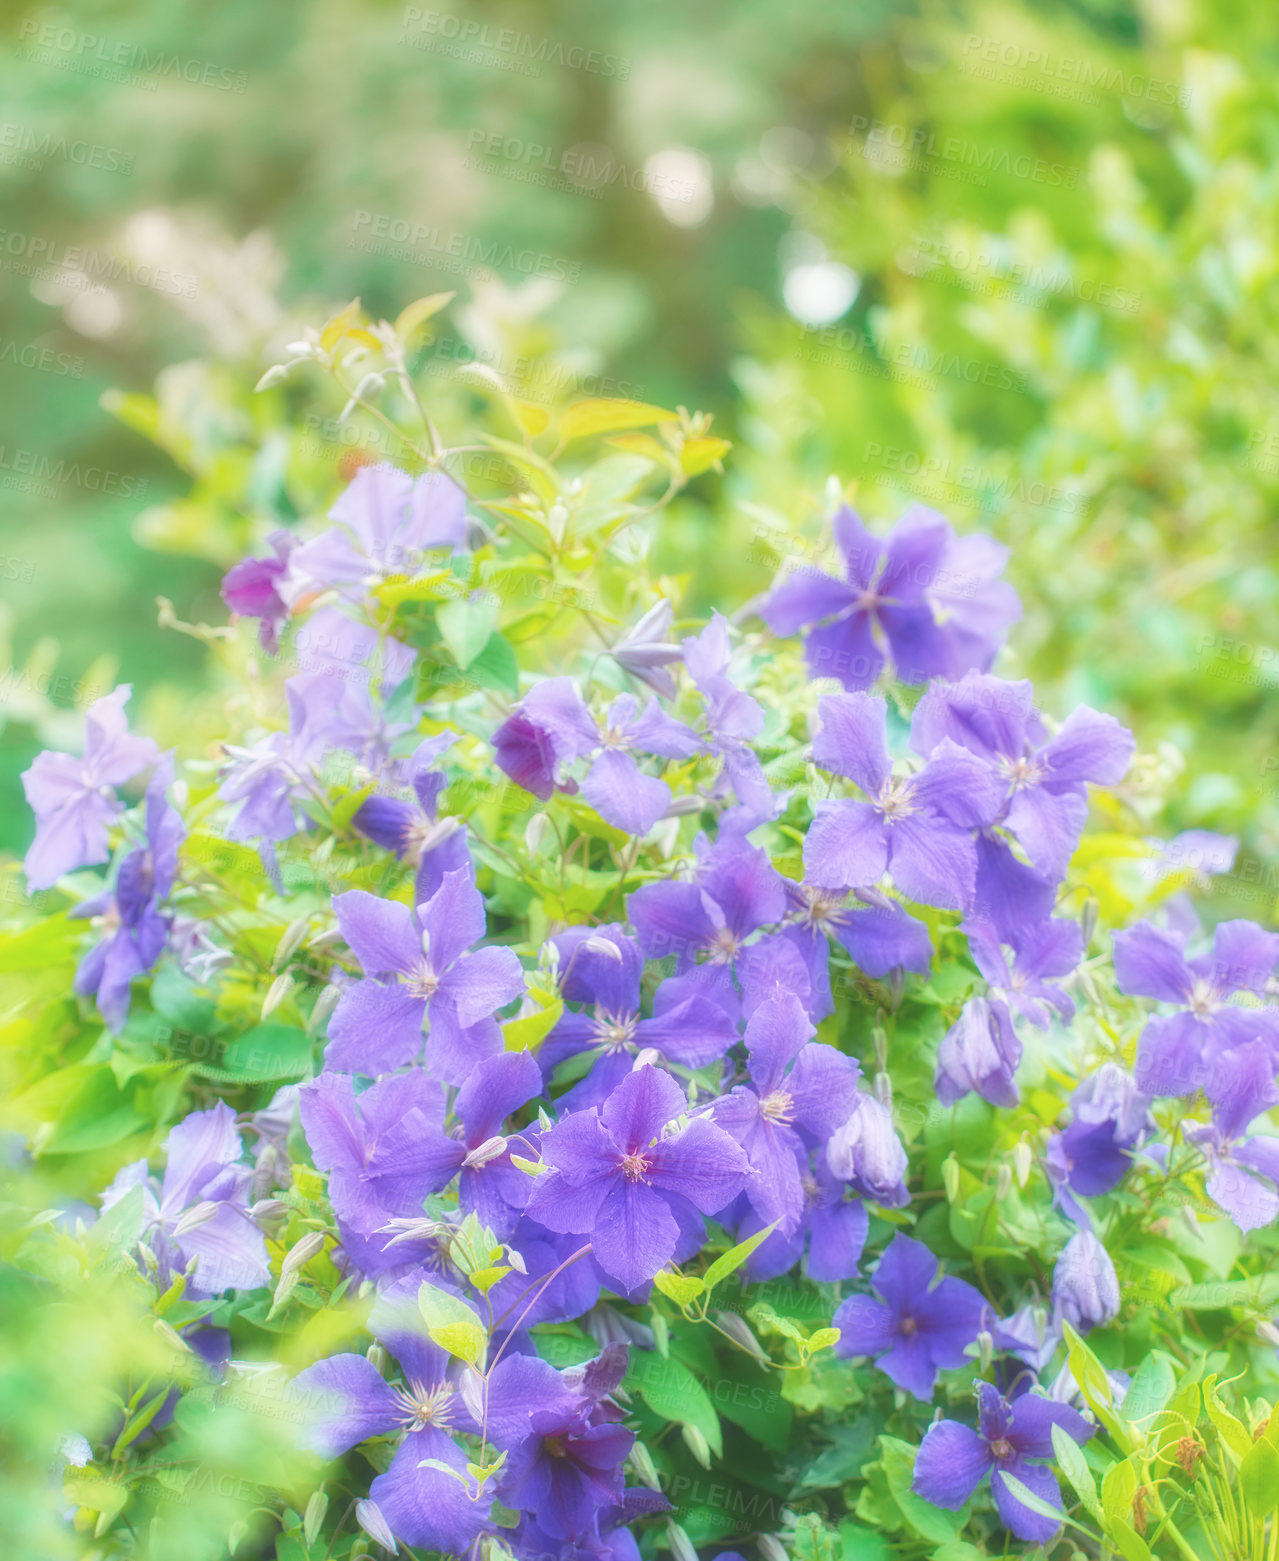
[[593, 1082]]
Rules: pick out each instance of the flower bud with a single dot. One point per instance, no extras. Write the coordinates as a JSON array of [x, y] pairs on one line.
[[290, 941], [370, 386], [1003, 1182], [376, 1357], [324, 1006], [681, 1545], [302, 1254], [737, 1328], [197, 1215], [369, 1516], [276, 993], [1023, 1160], [274, 376], [950, 1176], [641, 1461], [313, 1520], [771, 1548], [482, 1154], [535, 832], [1085, 1285]]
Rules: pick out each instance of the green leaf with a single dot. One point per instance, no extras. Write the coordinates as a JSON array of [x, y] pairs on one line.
[[452, 1324], [1128, 1541], [1027, 1497], [1150, 1390], [527, 1033], [268, 1051], [605, 415], [932, 1523], [1233, 1432], [1259, 1477], [733, 1259], [1075, 1467], [496, 667], [680, 1288], [413, 316], [466, 625], [672, 1391]]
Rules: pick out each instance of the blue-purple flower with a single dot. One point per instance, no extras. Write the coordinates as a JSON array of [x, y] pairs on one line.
[[1011, 1440], [132, 929], [420, 966], [632, 1183], [253, 589], [1110, 1119], [412, 830], [877, 934], [1243, 1174], [198, 1219], [916, 827], [74, 800], [1085, 1285], [1178, 1053], [911, 1327], [928, 602], [733, 718], [866, 1152]]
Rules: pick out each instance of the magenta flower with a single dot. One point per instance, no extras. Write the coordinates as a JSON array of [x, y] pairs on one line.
[[954, 1459], [930, 602], [416, 967], [252, 589], [912, 1330], [74, 800], [623, 1179]]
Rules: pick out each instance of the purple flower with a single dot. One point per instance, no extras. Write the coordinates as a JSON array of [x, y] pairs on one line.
[[565, 1448], [252, 589], [417, 966], [74, 800], [979, 1054], [133, 930], [829, 1235], [347, 1401], [865, 1152], [385, 1150], [912, 1330], [953, 1459], [737, 891], [800, 1093], [1178, 1053], [386, 521], [199, 1215], [1243, 1178], [930, 602], [1045, 801], [1110, 1118], [916, 827], [734, 718], [645, 653], [878, 936], [490, 1186], [621, 1176], [552, 727], [1030, 1334], [412, 831], [1085, 1285], [601, 967]]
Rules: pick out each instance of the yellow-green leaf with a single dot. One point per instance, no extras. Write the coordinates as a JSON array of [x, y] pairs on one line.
[[680, 1288], [605, 415], [419, 312]]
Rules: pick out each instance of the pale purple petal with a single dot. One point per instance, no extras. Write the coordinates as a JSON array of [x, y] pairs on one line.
[[851, 739], [623, 795], [380, 933], [846, 845], [952, 1461]]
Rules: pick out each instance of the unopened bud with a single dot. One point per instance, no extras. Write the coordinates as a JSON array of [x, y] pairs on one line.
[[371, 385], [681, 1545], [535, 832], [882, 1089], [598, 945], [1088, 920], [274, 376], [737, 1328], [985, 1349], [771, 1548], [376, 1357], [557, 520], [324, 1006], [641, 1461], [302, 1254], [1023, 1160], [482, 1154], [896, 986], [170, 1335], [290, 941], [369, 1516], [950, 1176], [268, 1209], [647, 1057], [1269, 1333], [313, 1519], [1003, 1182], [697, 1444], [198, 1214], [516, 1261], [681, 807], [276, 993]]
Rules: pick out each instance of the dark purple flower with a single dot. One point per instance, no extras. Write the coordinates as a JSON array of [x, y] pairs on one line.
[[553, 1290], [1045, 780], [432, 845], [916, 827], [1110, 1118], [1031, 1334], [1085, 1286], [866, 1152], [386, 521], [953, 1459], [913, 1331], [199, 1216], [346, 1400], [74, 800], [600, 967], [617, 1173], [1179, 1053], [419, 966], [1243, 1178], [927, 600], [800, 1093], [133, 932], [565, 1448], [252, 589], [734, 718]]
